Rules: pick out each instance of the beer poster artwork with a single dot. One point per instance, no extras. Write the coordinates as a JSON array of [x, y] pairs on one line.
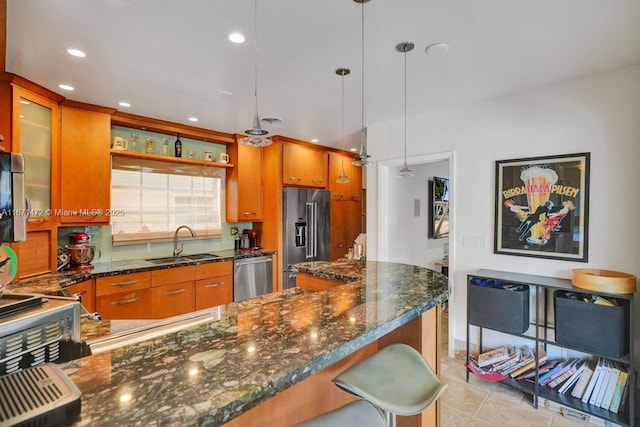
[[542, 207]]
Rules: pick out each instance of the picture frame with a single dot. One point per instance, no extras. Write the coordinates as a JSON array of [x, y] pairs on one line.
[[542, 207]]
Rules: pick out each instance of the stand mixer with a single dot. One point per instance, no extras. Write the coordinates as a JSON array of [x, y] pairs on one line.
[[81, 252]]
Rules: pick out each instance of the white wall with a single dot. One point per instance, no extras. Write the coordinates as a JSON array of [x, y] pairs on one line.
[[409, 240], [597, 114]]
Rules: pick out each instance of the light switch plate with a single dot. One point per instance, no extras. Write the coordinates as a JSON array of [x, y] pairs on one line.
[[474, 241]]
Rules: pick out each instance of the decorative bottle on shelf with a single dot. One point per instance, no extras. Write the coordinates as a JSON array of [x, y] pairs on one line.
[[178, 146], [165, 147]]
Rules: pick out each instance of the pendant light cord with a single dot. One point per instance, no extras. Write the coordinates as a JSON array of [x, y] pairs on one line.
[[362, 62], [255, 64], [405, 107]]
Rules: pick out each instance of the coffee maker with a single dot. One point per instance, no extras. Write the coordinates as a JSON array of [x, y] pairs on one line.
[[249, 240]]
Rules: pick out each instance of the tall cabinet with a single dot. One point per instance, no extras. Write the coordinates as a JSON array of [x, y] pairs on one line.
[[346, 203], [35, 134]]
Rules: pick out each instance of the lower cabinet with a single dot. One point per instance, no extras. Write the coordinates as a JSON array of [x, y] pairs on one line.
[[124, 296], [214, 284], [313, 283], [87, 292], [160, 293], [172, 300], [125, 305]]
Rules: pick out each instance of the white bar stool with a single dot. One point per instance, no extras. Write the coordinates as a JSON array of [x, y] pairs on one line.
[[358, 413], [397, 379]]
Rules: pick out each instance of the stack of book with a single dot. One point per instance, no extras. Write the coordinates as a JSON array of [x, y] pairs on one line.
[[510, 361], [602, 383]]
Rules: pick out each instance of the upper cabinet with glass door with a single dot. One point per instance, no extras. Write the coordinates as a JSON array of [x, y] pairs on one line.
[[36, 133]]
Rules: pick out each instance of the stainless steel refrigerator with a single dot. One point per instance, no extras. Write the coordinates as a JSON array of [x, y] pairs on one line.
[[307, 232]]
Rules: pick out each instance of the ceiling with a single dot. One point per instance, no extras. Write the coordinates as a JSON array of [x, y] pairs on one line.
[[171, 59]]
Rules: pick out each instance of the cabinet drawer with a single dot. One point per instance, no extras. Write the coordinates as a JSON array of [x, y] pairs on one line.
[[172, 300], [173, 275], [214, 291], [125, 305], [123, 282], [87, 291], [213, 269]]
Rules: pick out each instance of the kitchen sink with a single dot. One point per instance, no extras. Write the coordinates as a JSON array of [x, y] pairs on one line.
[[182, 258], [198, 257]]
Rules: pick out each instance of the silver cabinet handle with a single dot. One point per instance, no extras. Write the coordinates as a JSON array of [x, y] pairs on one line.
[[248, 213], [130, 282], [214, 285], [125, 301], [38, 220], [176, 292]]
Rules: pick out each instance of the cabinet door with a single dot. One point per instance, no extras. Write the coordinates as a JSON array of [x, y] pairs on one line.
[[304, 166], [213, 269], [36, 131], [244, 184], [125, 305], [313, 283], [214, 291], [346, 204], [173, 275], [85, 175], [172, 300], [87, 291]]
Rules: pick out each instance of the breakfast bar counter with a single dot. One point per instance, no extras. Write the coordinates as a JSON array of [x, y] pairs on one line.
[[268, 360]]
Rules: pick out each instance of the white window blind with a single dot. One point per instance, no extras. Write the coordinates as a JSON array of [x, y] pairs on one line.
[[153, 199]]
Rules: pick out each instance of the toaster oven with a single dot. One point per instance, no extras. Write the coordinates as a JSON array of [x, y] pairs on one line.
[[35, 330]]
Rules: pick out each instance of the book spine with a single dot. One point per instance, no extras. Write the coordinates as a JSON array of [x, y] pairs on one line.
[[592, 382], [598, 391], [582, 383], [611, 387], [617, 394]]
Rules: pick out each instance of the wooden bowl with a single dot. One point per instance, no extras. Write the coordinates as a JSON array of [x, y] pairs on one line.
[[610, 281]]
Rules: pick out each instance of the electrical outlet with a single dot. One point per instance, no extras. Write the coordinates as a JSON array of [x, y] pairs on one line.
[[234, 231]]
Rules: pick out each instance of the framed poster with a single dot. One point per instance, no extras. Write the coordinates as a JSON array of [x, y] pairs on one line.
[[542, 207], [439, 207]]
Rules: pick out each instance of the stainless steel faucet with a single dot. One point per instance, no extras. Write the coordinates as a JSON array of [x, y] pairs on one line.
[[177, 251]]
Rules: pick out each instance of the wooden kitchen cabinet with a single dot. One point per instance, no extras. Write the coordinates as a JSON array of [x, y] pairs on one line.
[[125, 305], [172, 299], [35, 134], [244, 183], [87, 292], [85, 164], [314, 283], [346, 204], [214, 284], [124, 296], [303, 166], [173, 275]]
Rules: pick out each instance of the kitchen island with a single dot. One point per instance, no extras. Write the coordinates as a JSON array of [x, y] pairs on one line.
[[268, 360]]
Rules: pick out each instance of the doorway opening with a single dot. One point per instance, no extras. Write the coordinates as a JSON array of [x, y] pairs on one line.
[[405, 219]]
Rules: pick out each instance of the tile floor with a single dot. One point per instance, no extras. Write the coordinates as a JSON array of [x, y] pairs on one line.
[[480, 403]]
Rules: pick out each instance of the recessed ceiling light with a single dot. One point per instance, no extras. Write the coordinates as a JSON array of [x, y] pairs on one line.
[[353, 150], [193, 119], [314, 140], [76, 52], [124, 104], [225, 94], [437, 49], [65, 87], [236, 37]]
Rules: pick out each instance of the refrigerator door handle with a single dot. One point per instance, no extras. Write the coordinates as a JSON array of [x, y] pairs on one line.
[[312, 238]]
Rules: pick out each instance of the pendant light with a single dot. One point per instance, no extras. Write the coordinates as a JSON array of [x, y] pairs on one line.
[[343, 178], [362, 158], [405, 47], [256, 135]]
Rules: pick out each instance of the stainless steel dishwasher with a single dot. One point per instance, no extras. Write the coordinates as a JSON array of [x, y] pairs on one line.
[[252, 277]]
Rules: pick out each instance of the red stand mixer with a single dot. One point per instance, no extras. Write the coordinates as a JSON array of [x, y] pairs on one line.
[[81, 252]]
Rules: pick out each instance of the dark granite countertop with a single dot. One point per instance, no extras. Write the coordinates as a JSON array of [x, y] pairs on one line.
[[50, 284], [239, 355]]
